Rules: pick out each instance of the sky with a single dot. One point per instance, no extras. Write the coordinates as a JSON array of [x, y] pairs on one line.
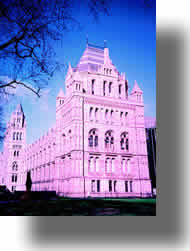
[[130, 32]]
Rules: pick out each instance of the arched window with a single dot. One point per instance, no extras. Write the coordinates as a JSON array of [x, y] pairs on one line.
[[14, 135], [110, 71], [109, 140], [93, 138], [93, 81], [20, 136], [14, 166], [124, 142], [17, 153], [14, 153]]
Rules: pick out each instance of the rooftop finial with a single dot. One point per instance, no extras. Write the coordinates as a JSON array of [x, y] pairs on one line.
[[105, 43]]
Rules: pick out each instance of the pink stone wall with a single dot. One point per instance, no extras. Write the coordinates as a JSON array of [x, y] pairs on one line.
[[97, 147]]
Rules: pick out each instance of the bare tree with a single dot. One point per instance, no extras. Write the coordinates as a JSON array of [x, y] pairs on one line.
[[28, 31]]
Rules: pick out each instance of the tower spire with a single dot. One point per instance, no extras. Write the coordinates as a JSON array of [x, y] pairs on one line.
[[105, 43], [87, 40]]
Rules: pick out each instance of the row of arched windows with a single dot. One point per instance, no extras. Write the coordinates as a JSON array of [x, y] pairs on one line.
[[109, 164], [109, 139], [112, 186], [17, 135], [94, 113], [16, 153], [107, 71]]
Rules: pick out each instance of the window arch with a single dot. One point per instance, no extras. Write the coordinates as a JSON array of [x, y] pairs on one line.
[[20, 136], [93, 138], [124, 142], [14, 153], [109, 139]]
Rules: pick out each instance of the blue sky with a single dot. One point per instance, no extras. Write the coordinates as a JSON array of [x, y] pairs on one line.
[[130, 31]]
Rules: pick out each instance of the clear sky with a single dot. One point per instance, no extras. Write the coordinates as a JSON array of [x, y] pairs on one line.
[[130, 31]]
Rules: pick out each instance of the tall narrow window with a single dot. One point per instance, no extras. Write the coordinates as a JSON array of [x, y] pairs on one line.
[[14, 135], [123, 165], [120, 90], [111, 114], [121, 115], [128, 166], [17, 136], [126, 114], [126, 89], [110, 88], [96, 113], [98, 186], [90, 113], [93, 81], [96, 141], [126, 186], [20, 136], [17, 153], [106, 114], [127, 144], [109, 140], [110, 185], [113, 165], [14, 153], [97, 164], [93, 138], [104, 88], [114, 185], [93, 186], [107, 163], [124, 141], [131, 186]]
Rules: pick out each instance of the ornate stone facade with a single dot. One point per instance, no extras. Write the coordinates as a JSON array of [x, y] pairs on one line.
[[97, 147]]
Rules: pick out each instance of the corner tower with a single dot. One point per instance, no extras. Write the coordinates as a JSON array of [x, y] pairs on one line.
[[14, 143]]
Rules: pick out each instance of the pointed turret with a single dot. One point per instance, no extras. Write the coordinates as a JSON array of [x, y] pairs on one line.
[[60, 98], [19, 108], [61, 94], [136, 89], [137, 93]]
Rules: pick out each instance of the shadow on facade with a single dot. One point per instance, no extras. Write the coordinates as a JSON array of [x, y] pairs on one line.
[[168, 225]]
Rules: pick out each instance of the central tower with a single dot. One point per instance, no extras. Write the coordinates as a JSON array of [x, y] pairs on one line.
[[101, 144]]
